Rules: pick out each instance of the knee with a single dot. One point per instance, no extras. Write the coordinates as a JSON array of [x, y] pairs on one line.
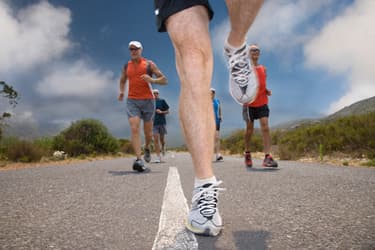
[[134, 128], [265, 129]]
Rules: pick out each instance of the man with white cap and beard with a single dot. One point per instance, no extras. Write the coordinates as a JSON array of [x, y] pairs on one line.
[[140, 73]]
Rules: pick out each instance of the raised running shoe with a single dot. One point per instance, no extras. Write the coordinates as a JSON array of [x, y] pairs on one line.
[[243, 82], [139, 166], [147, 155], [248, 161], [269, 162], [204, 217]]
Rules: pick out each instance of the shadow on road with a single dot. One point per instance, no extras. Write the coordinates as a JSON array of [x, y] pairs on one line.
[[122, 173], [262, 169], [251, 240], [244, 240]]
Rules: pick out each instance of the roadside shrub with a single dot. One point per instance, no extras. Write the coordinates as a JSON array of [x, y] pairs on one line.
[[353, 135], [23, 151], [85, 137], [235, 142], [126, 146]]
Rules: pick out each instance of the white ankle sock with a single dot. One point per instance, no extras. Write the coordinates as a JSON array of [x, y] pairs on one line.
[[201, 182], [232, 48]]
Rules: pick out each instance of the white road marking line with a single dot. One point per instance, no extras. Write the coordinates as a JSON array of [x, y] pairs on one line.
[[172, 233]]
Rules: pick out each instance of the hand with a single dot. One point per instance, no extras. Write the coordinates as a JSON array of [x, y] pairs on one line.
[[158, 111], [121, 97], [268, 92], [147, 78]]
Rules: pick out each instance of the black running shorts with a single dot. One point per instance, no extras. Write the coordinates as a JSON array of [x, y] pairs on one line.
[[253, 113], [166, 8]]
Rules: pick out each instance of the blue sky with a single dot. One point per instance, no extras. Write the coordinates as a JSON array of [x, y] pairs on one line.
[[64, 57]]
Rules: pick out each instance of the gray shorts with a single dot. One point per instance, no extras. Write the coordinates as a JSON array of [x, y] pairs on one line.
[[142, 108], [159, 130]]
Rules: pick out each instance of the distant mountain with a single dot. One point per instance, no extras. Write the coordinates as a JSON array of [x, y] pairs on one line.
[[357, 108]]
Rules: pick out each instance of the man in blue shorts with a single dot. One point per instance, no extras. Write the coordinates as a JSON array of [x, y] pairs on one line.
[[187, 24], [160, 125]]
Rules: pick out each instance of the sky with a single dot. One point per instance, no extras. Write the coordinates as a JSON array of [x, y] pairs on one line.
[[64, 57]]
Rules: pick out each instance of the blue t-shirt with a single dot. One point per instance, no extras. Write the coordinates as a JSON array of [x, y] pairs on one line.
[[159, 119], [216, 104]]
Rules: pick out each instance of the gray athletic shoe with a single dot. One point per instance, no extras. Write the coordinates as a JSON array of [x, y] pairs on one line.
[[139, 166], [147, 155], [204, 217], [243, 82]]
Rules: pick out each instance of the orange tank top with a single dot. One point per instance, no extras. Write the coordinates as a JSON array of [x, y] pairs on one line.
[[138, 88], [261, 98]]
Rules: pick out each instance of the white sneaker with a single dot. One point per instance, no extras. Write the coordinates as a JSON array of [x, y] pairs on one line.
[[157, 160], [204, 217], [243, 82]]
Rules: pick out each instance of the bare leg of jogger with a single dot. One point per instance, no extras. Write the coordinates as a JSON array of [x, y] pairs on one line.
[[242, 14], [194, 64]]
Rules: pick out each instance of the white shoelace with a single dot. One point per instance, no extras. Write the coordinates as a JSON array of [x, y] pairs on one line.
[[240, 67], [207, 198]]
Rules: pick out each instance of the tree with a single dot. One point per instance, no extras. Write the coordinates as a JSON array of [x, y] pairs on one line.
[[7, 91]]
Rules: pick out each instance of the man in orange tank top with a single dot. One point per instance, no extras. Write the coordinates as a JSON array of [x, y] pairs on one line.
[[258, 110], [140, 104]]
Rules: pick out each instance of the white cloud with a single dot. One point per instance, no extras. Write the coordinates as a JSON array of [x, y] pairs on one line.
[[33, 35], [279, 26], [75, 80], [346, 46]]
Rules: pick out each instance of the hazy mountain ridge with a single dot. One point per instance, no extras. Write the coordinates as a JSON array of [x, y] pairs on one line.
[[357, 108]]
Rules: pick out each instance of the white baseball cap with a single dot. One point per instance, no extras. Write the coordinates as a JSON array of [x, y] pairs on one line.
[[155, 91], [213, 90], [136, 44]]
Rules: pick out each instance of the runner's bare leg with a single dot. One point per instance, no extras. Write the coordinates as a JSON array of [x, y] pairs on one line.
[[194, 64], [242, 14], [135, 135]]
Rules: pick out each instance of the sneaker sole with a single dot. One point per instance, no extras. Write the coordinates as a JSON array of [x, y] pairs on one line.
[[272, 166], [205, 232]]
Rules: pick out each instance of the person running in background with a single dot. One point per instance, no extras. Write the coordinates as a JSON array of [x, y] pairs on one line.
[[218, 118], [140, 102], [258, 110], [187, 24], [160, 125]]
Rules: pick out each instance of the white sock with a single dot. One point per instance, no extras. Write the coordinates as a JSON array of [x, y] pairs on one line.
[[201, 182], [232, 48]]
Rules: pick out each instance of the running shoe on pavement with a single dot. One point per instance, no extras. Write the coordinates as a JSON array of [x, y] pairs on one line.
[[139, 166], [147, 155], [220, 158], [243, 82], [157, 160], [248, 161], [204, 217], [269, 162]]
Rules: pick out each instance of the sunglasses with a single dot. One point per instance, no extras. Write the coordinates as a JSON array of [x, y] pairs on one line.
[[254, 50], [133, 49]]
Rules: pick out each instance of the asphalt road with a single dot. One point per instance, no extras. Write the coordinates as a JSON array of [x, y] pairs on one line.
[[105, 205]]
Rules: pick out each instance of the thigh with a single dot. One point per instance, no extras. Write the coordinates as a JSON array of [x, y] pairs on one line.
[[147, 110], [166, 8], [133, 109]]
